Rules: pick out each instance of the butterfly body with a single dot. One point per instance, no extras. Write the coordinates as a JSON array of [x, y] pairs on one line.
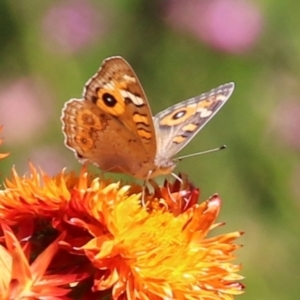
[[112, 126]]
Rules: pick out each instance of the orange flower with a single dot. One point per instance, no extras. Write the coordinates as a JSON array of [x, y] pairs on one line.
[[128, 251], [156, 255], [20, 280]]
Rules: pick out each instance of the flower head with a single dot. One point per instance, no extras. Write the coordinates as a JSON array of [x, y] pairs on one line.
[[130, 251]]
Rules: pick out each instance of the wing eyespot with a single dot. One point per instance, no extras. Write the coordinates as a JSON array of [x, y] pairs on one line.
[[177, 117], [88, 119], [109, 100], [179, 114], [84, 140]]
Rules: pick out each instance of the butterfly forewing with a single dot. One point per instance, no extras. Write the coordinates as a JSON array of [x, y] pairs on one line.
[[116, 90], [177, 125]]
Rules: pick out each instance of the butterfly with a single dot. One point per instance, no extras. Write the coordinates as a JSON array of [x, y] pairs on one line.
[[113, 127]]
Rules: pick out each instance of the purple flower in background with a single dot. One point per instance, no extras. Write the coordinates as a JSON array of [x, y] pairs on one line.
[[229, 25], [70, 26], [25, 109]]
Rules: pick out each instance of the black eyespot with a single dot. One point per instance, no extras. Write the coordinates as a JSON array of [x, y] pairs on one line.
[[109, 100], [179, 114]]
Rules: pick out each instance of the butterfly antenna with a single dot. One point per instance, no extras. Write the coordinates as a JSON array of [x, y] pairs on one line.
[[199, 153]]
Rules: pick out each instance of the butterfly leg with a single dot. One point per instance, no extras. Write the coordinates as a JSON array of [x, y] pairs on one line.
[[177, 177], [144, 188], [144, 193]]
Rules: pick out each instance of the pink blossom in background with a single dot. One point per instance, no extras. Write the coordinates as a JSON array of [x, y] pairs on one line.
[[229, 25], [49, 159], [25, 109], [286, 123], [46, 158], [70, 26]]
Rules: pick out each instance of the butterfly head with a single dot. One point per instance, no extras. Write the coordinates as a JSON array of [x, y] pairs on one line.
[[163, 166]]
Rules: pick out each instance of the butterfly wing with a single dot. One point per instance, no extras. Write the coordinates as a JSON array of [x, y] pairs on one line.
[[116, 90], [112, 126], [177, 125]]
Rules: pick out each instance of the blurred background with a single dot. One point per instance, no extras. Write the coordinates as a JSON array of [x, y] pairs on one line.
[[179, 49]]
